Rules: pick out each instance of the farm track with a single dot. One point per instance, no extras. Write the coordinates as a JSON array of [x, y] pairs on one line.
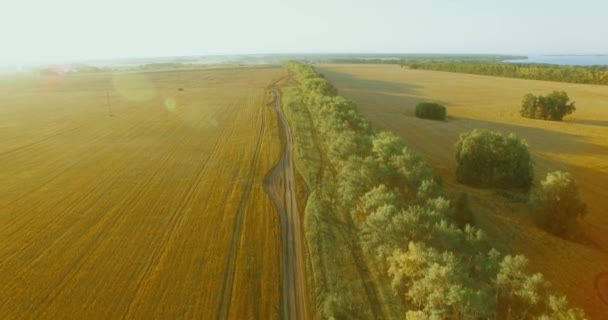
[[228, 278], [280, 185]]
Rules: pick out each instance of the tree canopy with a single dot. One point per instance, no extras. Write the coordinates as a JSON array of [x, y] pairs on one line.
[[573, 74], [557, 204], [553, 106], [488, 159], [430, 110], [439, 266]]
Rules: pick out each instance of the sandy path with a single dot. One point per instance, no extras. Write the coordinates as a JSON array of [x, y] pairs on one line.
[[280, 185]]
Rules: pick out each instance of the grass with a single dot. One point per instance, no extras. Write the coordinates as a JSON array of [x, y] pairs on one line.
[[341, 283], [331, 274], [132, 215], [387, 95]]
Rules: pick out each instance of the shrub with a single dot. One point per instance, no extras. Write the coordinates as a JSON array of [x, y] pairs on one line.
[[462, 213], [551, 107], [557, 204], [488, 159], [430, 110]]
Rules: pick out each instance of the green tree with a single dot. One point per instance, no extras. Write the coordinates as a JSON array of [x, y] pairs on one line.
[[462, 213], [554, 106], [488, 159], [374, 199], [435, 285], [430, 110], [319, 86], [517, 292], [404, 222], [575, 74], [557, 204]]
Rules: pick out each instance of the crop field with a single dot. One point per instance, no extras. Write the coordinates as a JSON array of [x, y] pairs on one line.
[[138, 195], [387, 95]]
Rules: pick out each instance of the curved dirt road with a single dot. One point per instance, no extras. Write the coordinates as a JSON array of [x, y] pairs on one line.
[[280, 185]]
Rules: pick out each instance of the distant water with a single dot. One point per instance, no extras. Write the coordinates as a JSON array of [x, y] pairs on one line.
[[580, 60]]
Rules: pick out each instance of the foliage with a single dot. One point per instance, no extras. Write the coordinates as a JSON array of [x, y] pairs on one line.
[[574, 74], [430, 110], [550, 107], [557, 204], [488, 159], [438, 265], [462, 213]]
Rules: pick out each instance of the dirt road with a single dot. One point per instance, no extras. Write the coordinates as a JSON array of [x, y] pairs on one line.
[[280, 185]]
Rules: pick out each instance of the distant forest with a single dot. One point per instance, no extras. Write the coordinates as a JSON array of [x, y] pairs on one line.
[[489, 65], [402, 59], [573, 74]]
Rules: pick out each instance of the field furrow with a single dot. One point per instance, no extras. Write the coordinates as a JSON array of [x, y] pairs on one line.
[[132, 216]]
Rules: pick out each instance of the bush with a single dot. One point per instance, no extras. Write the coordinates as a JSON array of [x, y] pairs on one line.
[[551, 107], [557, 205], [462, 213], [488, 159], [430, 110]]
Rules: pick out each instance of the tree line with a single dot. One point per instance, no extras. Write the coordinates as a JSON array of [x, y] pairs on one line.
[[438, 264], [573, 74]]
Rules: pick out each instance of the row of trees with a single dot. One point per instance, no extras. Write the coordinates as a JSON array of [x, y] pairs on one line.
[[439, 266], [574, 74]]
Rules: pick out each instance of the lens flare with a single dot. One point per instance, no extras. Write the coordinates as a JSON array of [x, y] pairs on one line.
[[134, 86], [170, 104]]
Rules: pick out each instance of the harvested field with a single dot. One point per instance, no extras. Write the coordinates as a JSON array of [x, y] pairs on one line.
[[124, 197], [387, 95]]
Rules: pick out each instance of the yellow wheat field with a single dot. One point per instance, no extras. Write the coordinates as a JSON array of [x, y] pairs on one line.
[[123, 196]]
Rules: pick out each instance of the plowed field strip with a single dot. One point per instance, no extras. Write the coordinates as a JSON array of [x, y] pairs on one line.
[[177, 217], [228, 279], [77, 157], [105, 224], [30, 144], [90, 198], [142, 215]]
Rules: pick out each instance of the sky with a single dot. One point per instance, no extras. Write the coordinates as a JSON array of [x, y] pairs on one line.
[[71, 30]]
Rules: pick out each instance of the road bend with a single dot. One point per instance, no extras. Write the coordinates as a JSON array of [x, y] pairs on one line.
[[281, 186]]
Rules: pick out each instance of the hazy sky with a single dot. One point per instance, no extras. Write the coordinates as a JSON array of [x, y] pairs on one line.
[[61, 30]]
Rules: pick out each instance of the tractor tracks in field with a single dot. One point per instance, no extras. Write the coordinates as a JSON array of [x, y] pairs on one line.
[[600, 284], [280, 185], [235, 240]]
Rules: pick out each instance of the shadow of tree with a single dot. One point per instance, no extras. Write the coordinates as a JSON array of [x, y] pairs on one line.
[[381, 86], [589, 122], [398, 97]]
